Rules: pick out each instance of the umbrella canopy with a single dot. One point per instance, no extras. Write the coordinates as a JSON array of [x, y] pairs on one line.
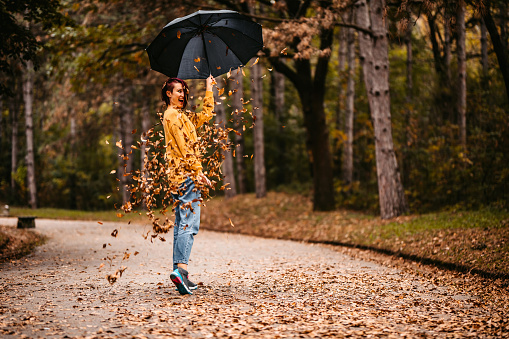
[[205, 43]]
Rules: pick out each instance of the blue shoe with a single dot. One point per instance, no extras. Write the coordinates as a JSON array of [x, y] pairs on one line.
[[179, 281]]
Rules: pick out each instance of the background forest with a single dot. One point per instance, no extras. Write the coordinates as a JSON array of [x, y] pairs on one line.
[[76, 79]]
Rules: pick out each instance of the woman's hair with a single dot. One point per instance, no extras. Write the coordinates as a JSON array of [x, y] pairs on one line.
[[169, 85]]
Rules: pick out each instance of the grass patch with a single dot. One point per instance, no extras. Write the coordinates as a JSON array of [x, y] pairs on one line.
[[55, 213]]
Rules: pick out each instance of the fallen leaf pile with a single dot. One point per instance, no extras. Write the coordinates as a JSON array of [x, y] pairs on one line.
[[290, 216]]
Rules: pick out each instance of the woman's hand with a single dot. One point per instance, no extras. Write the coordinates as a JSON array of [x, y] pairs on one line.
[[203, 180], [210, 82]]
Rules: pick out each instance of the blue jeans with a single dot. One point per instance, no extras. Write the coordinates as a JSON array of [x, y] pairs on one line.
[[187, 222]]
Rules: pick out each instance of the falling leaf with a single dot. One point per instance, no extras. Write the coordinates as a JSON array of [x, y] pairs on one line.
[[256, 61], [284, 51], [218, 67], [231, 223], [107, 142], [136, 253], [101, 266], [113, 171], [104, 245], [119, 215], [178, 34], [100, 223], [115, 232], [119, 144], [196, 68], [108, 196], [197, 59], [133, 131], [220, 91]]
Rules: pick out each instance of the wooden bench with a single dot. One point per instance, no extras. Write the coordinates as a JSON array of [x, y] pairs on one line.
[[26, 222]]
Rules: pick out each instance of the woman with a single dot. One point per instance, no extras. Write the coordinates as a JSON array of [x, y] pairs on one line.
[[184, 170]]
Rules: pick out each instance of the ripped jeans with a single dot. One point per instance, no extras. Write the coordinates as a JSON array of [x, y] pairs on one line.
[[187, 222]]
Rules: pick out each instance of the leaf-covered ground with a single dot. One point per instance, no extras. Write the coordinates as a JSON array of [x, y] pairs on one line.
[[466, 241], [15, 242], [248, 287]]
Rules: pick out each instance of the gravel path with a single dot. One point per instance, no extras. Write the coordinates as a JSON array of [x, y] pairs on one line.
[[248, 287]]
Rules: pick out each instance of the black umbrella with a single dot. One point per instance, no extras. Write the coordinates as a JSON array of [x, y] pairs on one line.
[[205, 43]]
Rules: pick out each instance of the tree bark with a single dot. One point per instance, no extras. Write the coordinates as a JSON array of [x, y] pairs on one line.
[[484, 51], [447, 47], [409, 96], [349, 110], [125, 127], [227, 167], [342, 56], [145, 126], [259, 144], [279, 111], [14, 112], [375, 64], [28, 96], [497, 43], [311, 93], [237, 88], [462, 74]]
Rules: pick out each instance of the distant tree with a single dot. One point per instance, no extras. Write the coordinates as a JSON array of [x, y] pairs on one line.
[[347, 164], [259, 144], [28, 96], [375, 65], [462, 73], [236, 85]]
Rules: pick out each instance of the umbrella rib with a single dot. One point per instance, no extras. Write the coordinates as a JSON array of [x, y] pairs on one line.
[[205, 50]]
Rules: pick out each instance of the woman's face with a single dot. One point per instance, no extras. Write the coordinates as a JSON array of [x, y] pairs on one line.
[[177, 96]]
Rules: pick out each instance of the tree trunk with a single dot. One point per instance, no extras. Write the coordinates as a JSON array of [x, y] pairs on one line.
[[311, 93], [145, 126], [14, 111], [237, 88], [447, 48], [462, 73], [484, 52], [349, 110], [125, 118], [28, 96], [279, 111], [497, 43], [227, 167], [259, 145], [342, 55], [502, 23], [1, 121], [375, 64], [409, 97]]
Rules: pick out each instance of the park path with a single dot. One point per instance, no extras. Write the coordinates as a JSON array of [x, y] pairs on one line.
[[249, 287]]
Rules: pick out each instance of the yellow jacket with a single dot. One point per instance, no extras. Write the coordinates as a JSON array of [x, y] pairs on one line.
[[182, 153]]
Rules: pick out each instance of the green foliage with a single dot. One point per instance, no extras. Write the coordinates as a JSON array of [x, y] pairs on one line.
[[18, 42]]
